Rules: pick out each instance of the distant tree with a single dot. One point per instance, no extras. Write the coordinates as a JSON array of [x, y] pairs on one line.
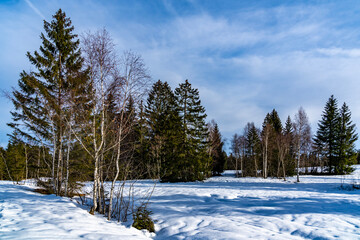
[[272, 127], [327, 135], [235, 148], [289, 139], [216, 149], [302, 136], [265, 142], [253, 147], [347, 137]]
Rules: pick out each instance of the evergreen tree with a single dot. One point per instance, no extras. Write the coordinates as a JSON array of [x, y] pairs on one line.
[[347, 138], [290, 156], [253, 148], [194, 132], [216, 149], [272, 128], [142, 145], [41, 101], [165, 132], [327, 135]]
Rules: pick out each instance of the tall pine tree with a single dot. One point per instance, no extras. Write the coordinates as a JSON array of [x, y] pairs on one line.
[[347, 137], [327, 134], [41, 105], [165, 133], [194, 145]]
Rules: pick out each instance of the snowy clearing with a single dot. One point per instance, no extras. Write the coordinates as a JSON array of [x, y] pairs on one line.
[[219, 208], [28, 215]]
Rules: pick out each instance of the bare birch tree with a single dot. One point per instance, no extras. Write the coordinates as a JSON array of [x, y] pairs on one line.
[[302, 137], [265, 136], [131, 81]]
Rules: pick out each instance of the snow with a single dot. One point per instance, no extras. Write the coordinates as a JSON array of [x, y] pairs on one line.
[[25, 214], [253, 208], [220, 208]]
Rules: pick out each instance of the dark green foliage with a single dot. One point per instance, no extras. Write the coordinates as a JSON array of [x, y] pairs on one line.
[[52, 95], [290, 156], [347, 137], [216, 149], [142, 220], [328, 132], [142, 145], [174, 141], [274, 120], [273, 128], [3, 167], [15, 158], [165, 135], [335, 138], [253, 150], [194, 132]]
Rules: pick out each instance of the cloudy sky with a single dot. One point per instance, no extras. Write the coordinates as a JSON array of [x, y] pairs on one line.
[[245, 57]]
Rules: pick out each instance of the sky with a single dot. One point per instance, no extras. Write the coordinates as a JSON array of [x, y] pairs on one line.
[[245, 57]]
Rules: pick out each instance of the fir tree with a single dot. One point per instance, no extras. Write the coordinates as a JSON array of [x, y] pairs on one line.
[[253, 147], [289, 137], [216, 149], [327, 135], [165, 133], [347, 138], [142, 144], [194, 129], [41, 101]]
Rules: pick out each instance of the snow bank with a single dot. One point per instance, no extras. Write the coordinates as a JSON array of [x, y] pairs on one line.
[[28, 215]]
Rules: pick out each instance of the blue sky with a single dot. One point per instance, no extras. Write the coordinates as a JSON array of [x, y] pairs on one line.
[[245, 57]]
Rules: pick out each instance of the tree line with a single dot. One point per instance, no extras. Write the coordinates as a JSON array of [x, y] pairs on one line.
[[86, 113], [280, 151]]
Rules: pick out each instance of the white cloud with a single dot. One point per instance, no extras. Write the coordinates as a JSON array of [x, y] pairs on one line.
[[36, 10]]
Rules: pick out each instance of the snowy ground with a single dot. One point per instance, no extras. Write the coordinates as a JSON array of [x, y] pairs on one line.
[[28, 215], [219, 208]]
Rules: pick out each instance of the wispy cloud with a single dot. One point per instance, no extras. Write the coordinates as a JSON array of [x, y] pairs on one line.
[[36, 10], [246, 59]]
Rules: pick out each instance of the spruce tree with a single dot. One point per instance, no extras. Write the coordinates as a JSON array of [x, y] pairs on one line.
[[327, 135], [194, 132], [253, 148], [347, 137], [165, 133], [272, 128], [289, 136], [41, 105], [216, 149], [142, 144]]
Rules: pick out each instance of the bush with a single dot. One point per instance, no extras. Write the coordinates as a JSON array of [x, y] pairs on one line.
[[142, 220]]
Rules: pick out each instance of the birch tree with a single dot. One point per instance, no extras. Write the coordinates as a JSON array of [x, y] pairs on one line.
[[302, 137]]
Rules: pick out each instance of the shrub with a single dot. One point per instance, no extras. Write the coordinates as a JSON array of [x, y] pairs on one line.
[[142, 220]]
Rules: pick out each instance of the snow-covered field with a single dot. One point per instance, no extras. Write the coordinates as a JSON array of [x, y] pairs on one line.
[[28, 215], [219, 208]]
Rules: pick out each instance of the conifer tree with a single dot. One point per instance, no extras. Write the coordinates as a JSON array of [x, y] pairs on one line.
[[165, 133], [347, 138], [272, 128], [142, 144], [253, 147], [289, 138], [327, 135], [40, 103], [216, 149], [194, 132]]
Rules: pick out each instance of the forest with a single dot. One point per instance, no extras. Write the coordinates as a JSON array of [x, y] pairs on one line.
[[87, 113]]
